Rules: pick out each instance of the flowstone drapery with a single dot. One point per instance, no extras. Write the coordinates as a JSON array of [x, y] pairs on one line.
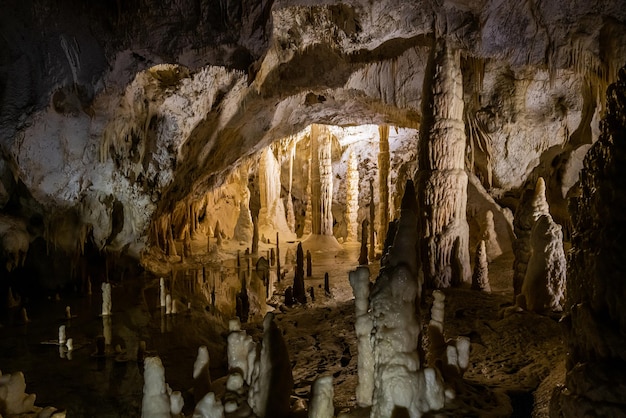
[[272, 217], [441, 178]]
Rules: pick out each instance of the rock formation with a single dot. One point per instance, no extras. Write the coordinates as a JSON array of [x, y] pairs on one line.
[[480, 277], [352, 199], [544, 283], [441, 179], [532, 205], [383, 180], [594, 315], [490, 237]]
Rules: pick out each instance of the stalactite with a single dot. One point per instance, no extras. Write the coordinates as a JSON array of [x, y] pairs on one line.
[[316, 132], [441, 178], [384, 164], [352, 199], [272, 214]]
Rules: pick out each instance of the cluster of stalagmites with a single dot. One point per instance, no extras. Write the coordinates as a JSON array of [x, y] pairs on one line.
[[259, 382], [15, 402], [391, 372], [594, 317], [539, 269]]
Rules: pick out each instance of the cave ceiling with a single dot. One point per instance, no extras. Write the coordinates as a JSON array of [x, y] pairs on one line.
[[147, 104]]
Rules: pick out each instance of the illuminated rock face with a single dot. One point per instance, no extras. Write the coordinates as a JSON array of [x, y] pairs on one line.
[[441, 179], [595, 318]]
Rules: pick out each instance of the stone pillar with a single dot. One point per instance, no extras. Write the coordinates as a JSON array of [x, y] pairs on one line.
[[384, 163], [326, 183], [372, 248], [441, 178], [308, 214], [352, 199]]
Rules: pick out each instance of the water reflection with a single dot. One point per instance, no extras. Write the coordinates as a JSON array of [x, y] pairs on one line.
[[102, 374]]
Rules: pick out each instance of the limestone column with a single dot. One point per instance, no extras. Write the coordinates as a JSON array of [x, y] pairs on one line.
[[291, 217], [326, 183], [372, 248], [308, 215], [352, 199], [441, 177], [272, 217], [384, 164]]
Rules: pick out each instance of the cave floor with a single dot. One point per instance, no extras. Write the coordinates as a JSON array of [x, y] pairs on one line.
[[516, 359]]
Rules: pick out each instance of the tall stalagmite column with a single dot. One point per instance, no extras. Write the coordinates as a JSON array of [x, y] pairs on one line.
[[352, 199], [308, 215], [291, 217], [441, 177], [326, 184], [383, 181]]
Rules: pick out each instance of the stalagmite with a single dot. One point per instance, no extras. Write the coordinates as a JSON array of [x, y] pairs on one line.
[[62, 335], [14, 401], [241, 351], [322, 394], [384, 164], [309, 266], [106, 299], [156, 401], [544, 283], [326, 285], [360, 282], [489, 235], [399, 380], [201, 374], [441, 178], [278, 271], [244, 229], [168, 304], [255, 235], [299, 293], [532, 205], [480, 277], [272, 217], [209, 407], [272, 381], [162, 292], [372, 230], [352, 199]]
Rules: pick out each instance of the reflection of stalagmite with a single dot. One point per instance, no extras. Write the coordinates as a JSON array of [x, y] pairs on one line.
[[352, 199], [480, 277], [383, 180], [532, 205], [544, 283], [441, 179]]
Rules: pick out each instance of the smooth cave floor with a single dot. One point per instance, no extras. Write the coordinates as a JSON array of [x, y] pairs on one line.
[[516, 359]]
